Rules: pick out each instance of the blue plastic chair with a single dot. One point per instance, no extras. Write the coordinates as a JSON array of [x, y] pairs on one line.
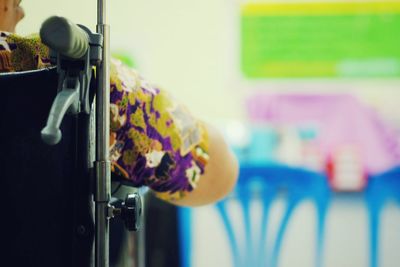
[[265, 182]]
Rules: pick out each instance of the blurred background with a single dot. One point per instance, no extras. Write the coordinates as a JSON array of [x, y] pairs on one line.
[[306, 93]]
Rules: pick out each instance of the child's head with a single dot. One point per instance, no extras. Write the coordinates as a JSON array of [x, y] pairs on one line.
[[10, 14]]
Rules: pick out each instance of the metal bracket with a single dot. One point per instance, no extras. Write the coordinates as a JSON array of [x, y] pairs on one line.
[[73, 86]]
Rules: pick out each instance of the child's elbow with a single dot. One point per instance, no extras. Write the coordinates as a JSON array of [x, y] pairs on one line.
[[228, 179], [217, 183]]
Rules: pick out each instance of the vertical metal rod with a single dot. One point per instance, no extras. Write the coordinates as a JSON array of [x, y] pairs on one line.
[[102, 164]]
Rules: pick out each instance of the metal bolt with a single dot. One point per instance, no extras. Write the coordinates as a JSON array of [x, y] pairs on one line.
[[81, 230]]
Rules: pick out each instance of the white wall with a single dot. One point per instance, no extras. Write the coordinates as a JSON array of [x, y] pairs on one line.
[[183, 46], [190, 47]]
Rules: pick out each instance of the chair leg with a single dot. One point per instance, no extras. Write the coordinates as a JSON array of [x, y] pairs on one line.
[[292, 203]]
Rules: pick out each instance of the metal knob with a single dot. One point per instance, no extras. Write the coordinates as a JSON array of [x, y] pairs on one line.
[[131, 212]]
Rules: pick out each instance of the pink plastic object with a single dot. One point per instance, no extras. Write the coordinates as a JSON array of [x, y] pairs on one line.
[[341, 121]]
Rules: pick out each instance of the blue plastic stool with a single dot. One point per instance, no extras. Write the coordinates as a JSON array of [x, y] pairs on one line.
[[266, 182]]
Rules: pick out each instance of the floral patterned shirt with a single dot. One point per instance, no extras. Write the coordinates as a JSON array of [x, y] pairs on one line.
[[154, 141]]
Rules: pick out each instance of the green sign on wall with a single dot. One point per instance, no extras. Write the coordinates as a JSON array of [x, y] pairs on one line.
[[321, 40]]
